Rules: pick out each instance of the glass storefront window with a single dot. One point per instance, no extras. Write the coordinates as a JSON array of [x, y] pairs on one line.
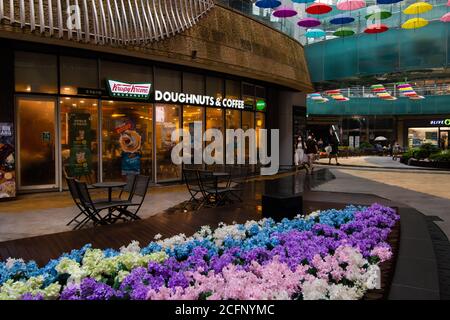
[[193, 83], [248, 122], [260, 124], [248, 94], [123, 72], [214, 87], [127, 135], [36, 72], [419, 136], [79, 146], [192, 114], [233, 89], [214, 120], [167, 119], [78, 73], [167, 80]]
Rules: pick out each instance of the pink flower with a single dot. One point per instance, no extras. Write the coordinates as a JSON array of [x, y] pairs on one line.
[[382, 252]]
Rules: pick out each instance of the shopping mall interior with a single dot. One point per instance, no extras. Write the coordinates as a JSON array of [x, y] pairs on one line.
[[348, 99]]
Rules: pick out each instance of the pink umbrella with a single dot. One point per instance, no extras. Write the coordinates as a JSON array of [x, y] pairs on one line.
[[446, 17], [285, 12], [348, 5]]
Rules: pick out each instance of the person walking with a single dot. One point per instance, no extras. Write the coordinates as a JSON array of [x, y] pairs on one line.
[[299, 152], [396, 150], [334, 152], [311, 151]]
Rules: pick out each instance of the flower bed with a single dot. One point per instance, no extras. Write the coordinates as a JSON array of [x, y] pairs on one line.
[[333, 254]]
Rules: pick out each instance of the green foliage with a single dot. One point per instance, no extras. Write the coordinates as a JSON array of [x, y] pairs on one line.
[[443, 156], [365, 145], [424, 152]]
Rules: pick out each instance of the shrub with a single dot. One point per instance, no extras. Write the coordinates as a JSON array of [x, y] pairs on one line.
[[409, 154], [365, 145], [443, 156]]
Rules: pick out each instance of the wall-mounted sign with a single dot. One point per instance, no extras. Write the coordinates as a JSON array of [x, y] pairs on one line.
[[445, 122], [80, 140], [197, 99], [92, 92], [140, 91], [261, 105]]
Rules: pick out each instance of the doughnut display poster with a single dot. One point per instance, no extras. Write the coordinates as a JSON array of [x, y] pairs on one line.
[[7, 161], [130, 143], [80, 140]]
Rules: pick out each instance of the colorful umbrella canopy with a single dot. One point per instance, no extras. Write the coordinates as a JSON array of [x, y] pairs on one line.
[[315, 33], [317, 97], [318, 8], [418, 8], [344, 32], [388, 1], [268, 4], [341, 19], [380, 15], [285, 12], [376, 28], [407, 90], [348, 5], [337, 95], [381, 92], [446, 17], [415, 23], [303, 1], [309, 22]]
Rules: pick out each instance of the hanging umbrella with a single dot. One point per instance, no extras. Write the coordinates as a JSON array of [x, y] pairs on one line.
[[344, 32], [418, 8], [318, 8], [349, 5], [268, 4], [315, 33], [446, 17], [376, 28], [303, 1], [285, 12], [341, 19], [380, 15], [388, 1], [309, 22], [415, 23], [379, 139]]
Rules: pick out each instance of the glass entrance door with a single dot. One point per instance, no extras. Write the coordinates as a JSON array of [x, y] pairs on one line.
[[444, 139], [36, 142]]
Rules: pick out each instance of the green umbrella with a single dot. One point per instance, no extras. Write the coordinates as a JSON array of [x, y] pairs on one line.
[[380, 15], [344, 32]]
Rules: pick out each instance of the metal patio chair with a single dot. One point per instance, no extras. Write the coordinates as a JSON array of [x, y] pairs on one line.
[[192, 181], [71, 183], [213, 194], [94, 209], [135, 200]]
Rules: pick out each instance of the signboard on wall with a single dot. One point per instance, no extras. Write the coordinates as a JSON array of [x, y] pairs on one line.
[[138, 91], [80, 140], [7, 162]]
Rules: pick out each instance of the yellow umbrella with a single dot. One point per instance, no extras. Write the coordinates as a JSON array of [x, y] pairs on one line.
[[415, 23], [418, 8]]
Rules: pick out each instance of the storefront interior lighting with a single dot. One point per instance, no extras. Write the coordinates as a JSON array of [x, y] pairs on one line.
[[118, 115]]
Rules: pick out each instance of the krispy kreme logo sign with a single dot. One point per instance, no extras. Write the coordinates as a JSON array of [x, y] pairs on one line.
[[119, 89]]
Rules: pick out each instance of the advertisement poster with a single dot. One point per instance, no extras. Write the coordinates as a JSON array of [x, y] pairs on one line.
[[7, 161], [80, 162], [130, 143]]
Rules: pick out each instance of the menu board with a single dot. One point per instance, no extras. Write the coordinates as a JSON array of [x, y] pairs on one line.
[[80, 141], [7, 161]]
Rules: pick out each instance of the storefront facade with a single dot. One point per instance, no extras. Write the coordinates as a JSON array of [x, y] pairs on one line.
[[69, 122], [434, 130]]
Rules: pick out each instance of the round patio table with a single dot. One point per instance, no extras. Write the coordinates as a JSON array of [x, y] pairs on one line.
[[110, 186]]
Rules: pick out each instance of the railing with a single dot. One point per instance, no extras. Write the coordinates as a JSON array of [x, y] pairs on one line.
[[119, 22]]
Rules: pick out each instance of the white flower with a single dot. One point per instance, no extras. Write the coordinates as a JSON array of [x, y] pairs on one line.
[[373, 277], [10, 262], [158, 236], [133, 247], [341, 292], [315, 289]]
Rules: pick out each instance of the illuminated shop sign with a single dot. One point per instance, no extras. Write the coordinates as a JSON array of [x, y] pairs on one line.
[[445, 122], [140, 91], [197, 99], [261, 105]]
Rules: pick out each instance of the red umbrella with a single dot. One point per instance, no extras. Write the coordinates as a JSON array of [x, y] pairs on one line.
[[376, 28], [318, 8]]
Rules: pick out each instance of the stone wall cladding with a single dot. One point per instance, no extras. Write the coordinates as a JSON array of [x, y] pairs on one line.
[[224, 40]]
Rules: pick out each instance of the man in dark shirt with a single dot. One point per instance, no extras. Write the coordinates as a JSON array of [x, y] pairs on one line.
[[311, 151]]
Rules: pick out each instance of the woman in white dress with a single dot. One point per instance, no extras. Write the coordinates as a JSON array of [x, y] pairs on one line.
[[299, 157]]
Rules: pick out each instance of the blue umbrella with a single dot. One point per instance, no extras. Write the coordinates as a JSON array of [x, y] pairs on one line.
[[341, 19], [266, 4], [387, 1], [315, 33]]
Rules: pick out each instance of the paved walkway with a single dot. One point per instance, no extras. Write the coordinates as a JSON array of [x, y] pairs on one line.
[[426, 191], [372, 161], [39, 214]]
